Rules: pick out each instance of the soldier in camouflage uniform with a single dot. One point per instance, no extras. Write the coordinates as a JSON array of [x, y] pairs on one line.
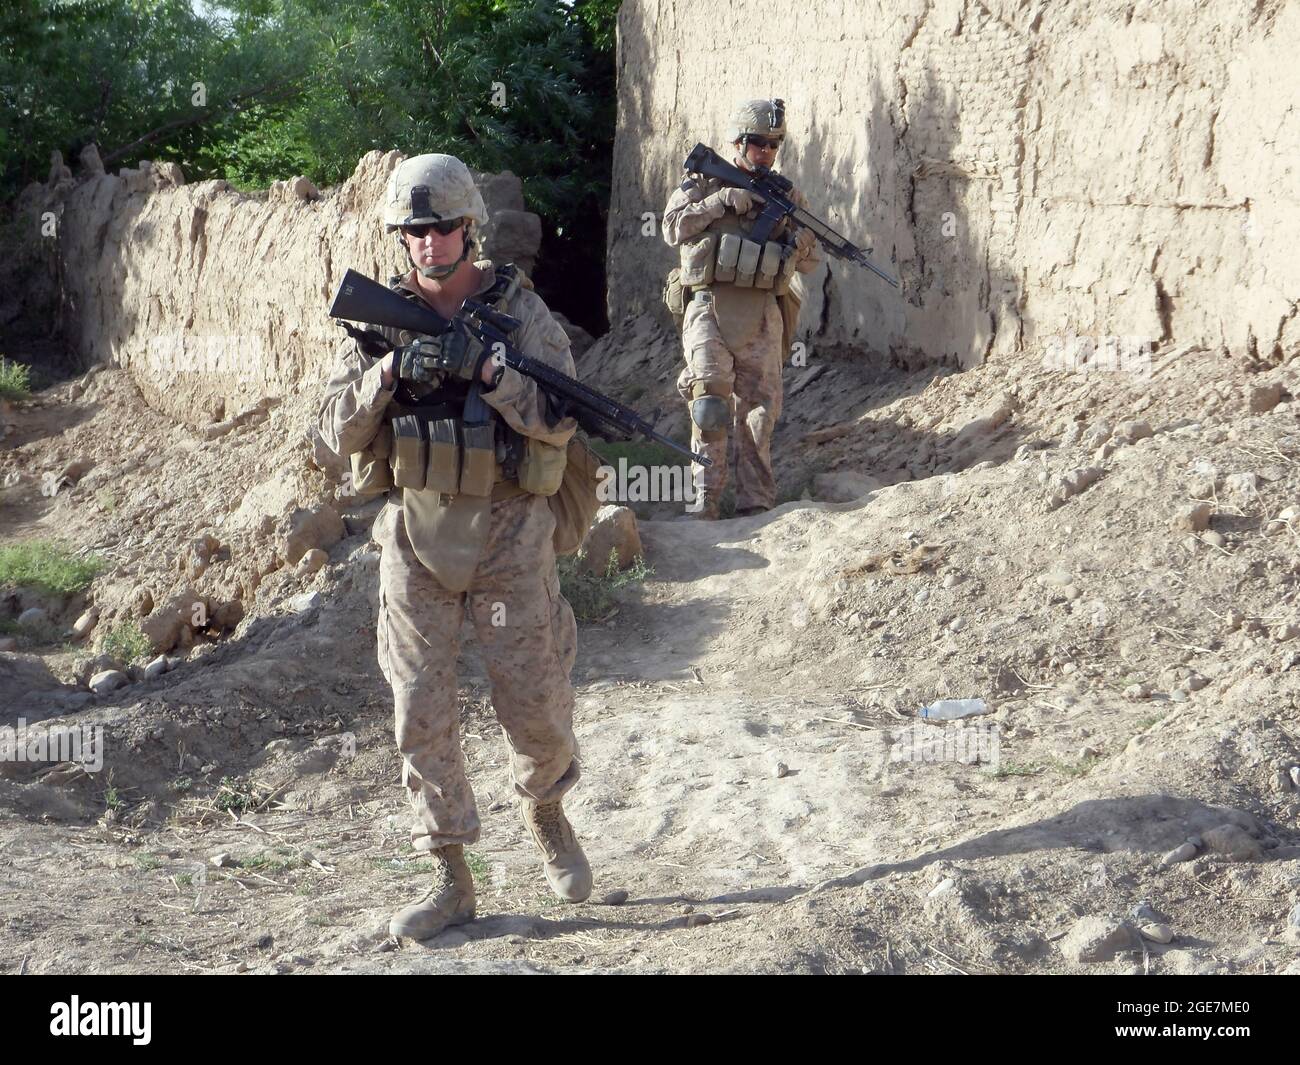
[[467, 526], [738, 325]]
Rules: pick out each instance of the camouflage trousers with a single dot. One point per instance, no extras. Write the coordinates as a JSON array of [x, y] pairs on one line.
[[751, 373], [528, 638]]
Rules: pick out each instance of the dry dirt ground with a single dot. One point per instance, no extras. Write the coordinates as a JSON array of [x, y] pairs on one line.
[[758, 790]]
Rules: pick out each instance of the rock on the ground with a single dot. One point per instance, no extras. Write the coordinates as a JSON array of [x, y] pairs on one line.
[[1193, 518], [614, 530], [33, 618], [1263, 398], [1184, 852], [1233, 843], [1094, 939], [1070, 484], [309, 527], [307, 601], [107, 681], [312, 561], [82, 626], [167, 624], [1157, 932], [1132, 431]]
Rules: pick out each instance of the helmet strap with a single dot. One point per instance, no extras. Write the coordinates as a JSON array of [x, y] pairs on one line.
[[439, 273]]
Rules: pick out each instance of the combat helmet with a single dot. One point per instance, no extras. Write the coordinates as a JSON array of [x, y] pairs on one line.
[[432, 188], [757, 118]]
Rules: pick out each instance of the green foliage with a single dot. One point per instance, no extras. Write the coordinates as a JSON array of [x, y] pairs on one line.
[[125, 642], [645, 453], [124, 75], [255, 91], [46, 568], [479, 869], [303, 86], [593, 597], [235, 796], [15, 380]]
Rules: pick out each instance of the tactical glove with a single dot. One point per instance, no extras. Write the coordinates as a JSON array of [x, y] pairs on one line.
[[455, 353], [804, 242], [739, 200]]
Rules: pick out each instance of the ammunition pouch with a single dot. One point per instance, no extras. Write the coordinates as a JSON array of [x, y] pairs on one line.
[[443, 472], [478, 460], [410, 452], [747, 263], [371, 470], [541, 471], [769, 265], [697, 257], [675, 295], [728, 254]]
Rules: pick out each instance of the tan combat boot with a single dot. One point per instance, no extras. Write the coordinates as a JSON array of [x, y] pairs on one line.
[[450, 901], [566, 867]]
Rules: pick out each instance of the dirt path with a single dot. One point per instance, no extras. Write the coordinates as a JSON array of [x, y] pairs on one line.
[[755, 778]]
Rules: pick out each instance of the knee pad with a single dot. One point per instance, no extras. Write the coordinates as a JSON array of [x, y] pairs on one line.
[[711, 413]]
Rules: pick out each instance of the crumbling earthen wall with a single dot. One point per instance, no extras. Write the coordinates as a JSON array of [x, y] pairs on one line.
[[1033, 171], [216, 299]]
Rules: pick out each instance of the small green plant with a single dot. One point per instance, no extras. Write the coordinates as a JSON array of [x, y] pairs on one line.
[[147, 862], [478, 868], [593, 596], [113, 798], [107, 500], [182, 784], [1015, 769], [233, 796], [45, 567], [184, 879], [15, 380], [1076, 769], [125, 641], [637, 453], [266, 863], [403, 866]]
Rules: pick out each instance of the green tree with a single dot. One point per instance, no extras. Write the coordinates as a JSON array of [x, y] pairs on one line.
[[258, 90]]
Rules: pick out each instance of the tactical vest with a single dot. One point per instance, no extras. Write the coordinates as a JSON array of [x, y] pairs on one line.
[[428, 444], [723, 254]]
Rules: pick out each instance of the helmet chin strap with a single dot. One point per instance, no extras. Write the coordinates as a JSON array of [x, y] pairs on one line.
[[438, 273]]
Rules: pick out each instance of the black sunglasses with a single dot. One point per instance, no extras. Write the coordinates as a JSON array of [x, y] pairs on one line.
[[764, 142], [447, 225]]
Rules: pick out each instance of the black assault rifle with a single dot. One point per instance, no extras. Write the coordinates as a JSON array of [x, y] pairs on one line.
[[359, 299], [776, 191]]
